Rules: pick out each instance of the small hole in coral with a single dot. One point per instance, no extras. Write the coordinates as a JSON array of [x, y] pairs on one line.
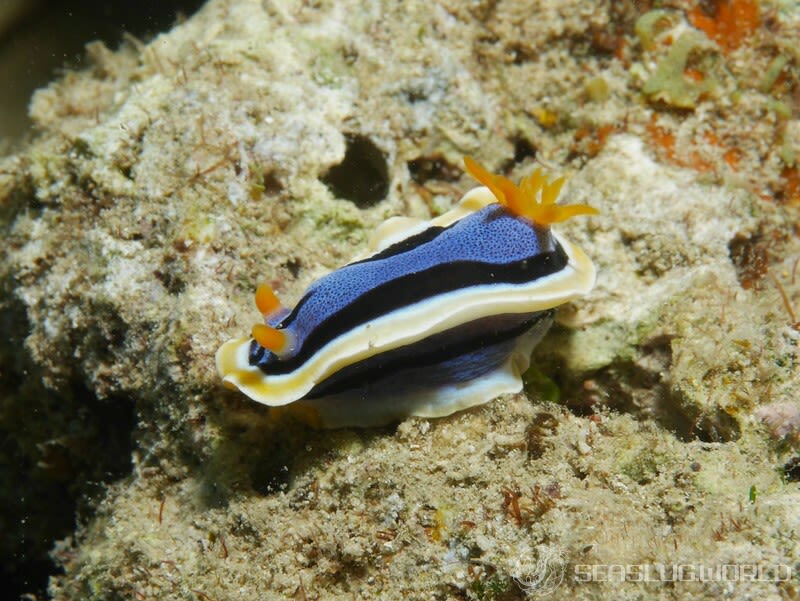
[[294, 266], [434, 167], [750, 257], [271, 183], [791, 470], [523, 149], [363, 176]]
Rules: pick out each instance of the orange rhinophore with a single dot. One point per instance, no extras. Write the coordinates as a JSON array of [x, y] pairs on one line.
[[271, 338], [266, 301]]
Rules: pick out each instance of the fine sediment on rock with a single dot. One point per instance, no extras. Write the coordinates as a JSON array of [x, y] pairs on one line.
[[264, 141]]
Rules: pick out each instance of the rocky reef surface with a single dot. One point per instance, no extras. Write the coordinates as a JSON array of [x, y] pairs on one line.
[[264, 141]]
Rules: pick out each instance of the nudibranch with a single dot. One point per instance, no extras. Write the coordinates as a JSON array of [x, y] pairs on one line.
[[435, 317]]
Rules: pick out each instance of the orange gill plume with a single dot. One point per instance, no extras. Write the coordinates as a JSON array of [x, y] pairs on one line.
[[534, 198]]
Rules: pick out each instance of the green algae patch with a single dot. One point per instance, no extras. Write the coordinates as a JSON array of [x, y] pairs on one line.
[[650, 25], [540, 386], [597, 89], [670, 82], [773, 72]]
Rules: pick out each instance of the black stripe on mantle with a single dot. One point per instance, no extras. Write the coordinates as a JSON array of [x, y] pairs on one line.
[[405, 291], [436, 353]]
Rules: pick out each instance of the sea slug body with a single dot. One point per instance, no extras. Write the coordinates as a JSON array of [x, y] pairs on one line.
[[438, 316]]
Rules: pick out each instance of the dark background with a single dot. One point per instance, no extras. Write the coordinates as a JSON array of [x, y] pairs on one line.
[[39, 38]]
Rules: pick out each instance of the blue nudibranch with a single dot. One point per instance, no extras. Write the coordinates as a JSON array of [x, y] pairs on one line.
[[438, 316]]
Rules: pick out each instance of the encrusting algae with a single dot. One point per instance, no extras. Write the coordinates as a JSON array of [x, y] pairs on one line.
[[170, 177]]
